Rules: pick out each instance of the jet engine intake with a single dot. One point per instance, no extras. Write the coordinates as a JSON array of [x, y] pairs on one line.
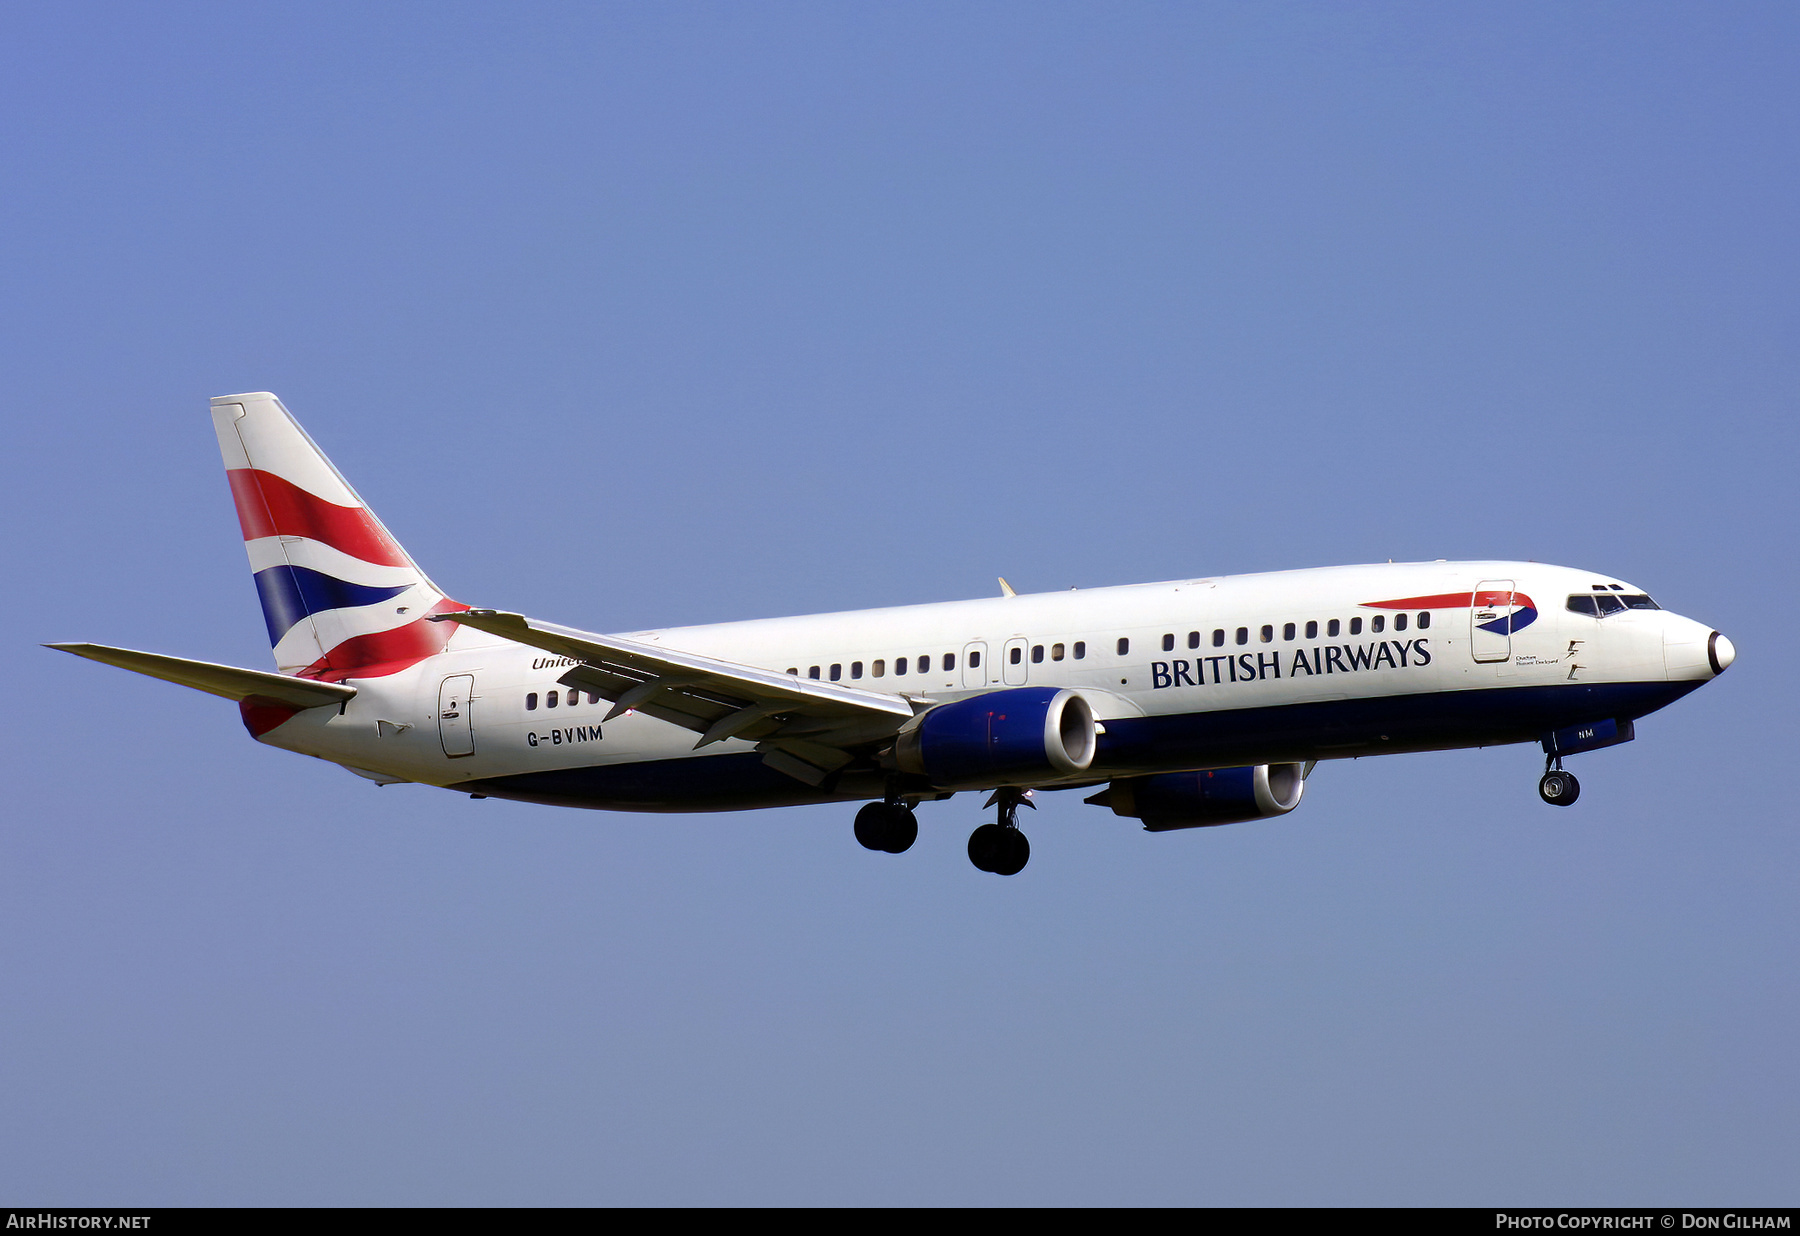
[[1168, 801], [1024, 736]]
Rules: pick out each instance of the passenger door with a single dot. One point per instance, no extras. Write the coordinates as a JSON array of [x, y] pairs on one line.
[[975, 666], [456, 725], [1490, 620], [1014, 669]]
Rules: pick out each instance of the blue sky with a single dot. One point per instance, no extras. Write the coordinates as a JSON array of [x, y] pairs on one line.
[[633, 315]]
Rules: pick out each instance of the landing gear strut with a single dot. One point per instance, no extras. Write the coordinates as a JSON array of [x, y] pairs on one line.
[[1556, 787], [1000, 847], [888, 826]]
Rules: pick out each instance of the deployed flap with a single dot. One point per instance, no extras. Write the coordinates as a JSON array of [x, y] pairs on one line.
[[224, 680], [716, 699]]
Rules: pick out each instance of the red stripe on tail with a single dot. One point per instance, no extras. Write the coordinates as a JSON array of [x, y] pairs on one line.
[[260, 715], [387, 652], [267, 505]]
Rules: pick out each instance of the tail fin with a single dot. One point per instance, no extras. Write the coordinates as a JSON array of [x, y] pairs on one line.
[[340, 597]]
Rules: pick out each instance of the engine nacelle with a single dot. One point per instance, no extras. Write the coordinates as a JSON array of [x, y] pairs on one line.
[[1024, 736], [1197, 799]]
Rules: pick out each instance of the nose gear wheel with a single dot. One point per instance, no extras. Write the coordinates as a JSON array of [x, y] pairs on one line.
[[1559, 788]]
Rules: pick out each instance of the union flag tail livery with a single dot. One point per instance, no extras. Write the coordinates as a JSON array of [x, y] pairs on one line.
[[339, 595], [1182, 704]]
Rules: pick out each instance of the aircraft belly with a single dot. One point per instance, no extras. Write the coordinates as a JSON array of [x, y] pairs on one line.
[[1331, 729], [737, 781]]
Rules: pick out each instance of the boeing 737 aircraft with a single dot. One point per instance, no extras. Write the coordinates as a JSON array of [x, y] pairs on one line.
[[1189, 703]]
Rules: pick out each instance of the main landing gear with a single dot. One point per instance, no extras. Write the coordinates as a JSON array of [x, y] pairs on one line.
[[888, 826], [1556, 787], [1000, 847]]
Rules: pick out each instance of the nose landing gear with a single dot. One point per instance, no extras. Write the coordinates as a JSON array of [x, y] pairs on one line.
[[1556, 787], [888, 826], [1000, 847]]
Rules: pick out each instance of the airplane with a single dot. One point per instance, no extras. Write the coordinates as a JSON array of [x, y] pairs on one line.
[[1182, 704]]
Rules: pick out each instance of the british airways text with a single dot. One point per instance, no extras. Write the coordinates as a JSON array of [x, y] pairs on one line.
[[1330, 659]]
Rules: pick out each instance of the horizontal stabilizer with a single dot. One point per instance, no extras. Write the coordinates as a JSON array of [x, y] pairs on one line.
[[223, 680]]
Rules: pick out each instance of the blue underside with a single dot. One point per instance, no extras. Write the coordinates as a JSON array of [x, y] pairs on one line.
[[1329, 730]]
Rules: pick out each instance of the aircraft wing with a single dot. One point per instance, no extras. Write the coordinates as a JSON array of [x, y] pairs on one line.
[[801, 725], [224, 680]]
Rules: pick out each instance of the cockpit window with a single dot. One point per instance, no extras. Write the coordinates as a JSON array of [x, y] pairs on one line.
[[1600, 604]]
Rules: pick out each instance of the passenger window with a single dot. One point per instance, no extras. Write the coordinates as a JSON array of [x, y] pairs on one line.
[[1312, 630], [949, 661], [1424, 619], [900, 664], [1287, 631], [1268, 633], [812, 671], [924, 665], [1331, 629], [1124, 647], [974, 660], [1168, 643], [1356, 626], [1218, 637], [1016, 655], [1080, 649], [531, 702], [1609, 604], [1243, 635], [574, 698], [1377, 622], [1037, 653], [1399, 622], [878, 670], [1193, 639], [794, 670], [837, 672], [1056, 652], [592, 698], [856, 669], [549, 699]]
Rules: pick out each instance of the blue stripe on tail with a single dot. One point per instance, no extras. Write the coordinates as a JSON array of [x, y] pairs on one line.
[[290, 593]]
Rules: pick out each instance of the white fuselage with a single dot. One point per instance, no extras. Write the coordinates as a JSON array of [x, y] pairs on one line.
[[1199, 673]]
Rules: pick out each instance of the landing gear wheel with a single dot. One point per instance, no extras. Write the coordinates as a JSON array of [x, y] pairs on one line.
[[986, 845], [903, 829], [1015, 853], [890, 827], [1003, 851], [1559, 788]]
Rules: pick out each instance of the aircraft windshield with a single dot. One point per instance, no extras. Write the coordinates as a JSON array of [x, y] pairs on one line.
[[1600, 604]]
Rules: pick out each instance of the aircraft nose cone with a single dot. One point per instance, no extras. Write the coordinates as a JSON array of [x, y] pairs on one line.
[[1720, 652]]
